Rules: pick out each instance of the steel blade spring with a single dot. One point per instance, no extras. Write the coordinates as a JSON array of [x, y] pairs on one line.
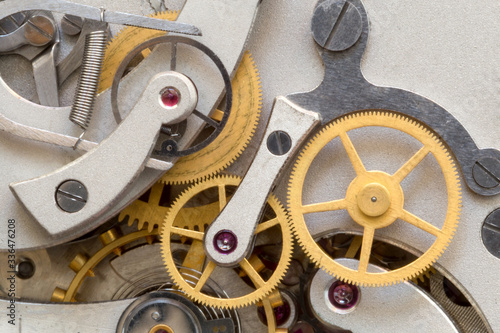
[[88, 83]]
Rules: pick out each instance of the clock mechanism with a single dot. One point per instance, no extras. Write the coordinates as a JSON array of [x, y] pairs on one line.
[[233, 166]]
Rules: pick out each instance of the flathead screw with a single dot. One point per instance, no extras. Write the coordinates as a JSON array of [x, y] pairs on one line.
[[39, 31], [279, 143], [336, 25], [71, 196], [71, 25], [486, 172], [491, 233]]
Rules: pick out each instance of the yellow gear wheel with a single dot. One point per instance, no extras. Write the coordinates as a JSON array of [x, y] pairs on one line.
[[240, 126], [176, 224], [150, 212], [374, 199], [112, 241]]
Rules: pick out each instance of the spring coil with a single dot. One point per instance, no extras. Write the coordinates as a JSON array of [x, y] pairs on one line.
[[88, 83]]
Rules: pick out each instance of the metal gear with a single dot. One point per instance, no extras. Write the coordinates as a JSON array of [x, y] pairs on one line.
[[374, 199], [151, 212], [240, 126], [176, 223]]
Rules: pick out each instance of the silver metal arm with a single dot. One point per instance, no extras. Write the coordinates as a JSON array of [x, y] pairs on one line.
[[93, 13], [83, 189], [288, 127]]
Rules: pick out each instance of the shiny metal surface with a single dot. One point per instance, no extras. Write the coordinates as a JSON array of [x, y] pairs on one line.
[[55, 120], [402, 308], [248, 201], [446, 51], [106, 187]]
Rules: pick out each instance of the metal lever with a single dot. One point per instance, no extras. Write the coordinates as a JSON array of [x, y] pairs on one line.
[[93, 13], [85, 188], [288, 127]]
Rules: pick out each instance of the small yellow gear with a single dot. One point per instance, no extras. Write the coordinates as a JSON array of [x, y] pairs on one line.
[[240, 126], [374, 199], [113, 242], [177, 223], [149, 213]]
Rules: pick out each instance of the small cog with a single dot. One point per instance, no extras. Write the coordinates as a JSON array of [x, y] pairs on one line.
[[374, 199], [260, 279], [240, 126]]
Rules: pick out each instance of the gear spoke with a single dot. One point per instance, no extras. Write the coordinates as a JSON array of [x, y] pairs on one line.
[[187, 233], [411, 164], [173, 57], [366, 249], [352, 153], [420, 223], [252, 274], [195, 258], [206, 119], [183, 215], [206, 274], [266, 225], [222, 197], [374, 199], [324, 206]]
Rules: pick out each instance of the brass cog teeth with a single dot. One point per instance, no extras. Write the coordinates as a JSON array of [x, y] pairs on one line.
[[236, 135], [399, 122], [240, 301]]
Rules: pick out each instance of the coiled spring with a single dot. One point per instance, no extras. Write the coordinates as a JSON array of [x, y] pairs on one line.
[[88, 83]]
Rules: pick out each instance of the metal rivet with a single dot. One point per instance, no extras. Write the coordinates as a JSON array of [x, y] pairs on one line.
[[486, 172], [279, 143], [25, 269], [71, 196], [336, 25], [71, 25], [39, 30], [491, 233], [155, 315]]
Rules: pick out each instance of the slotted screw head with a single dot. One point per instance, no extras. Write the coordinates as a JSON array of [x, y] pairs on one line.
[[486, 172], [39, 31], [491, 233], [279, 143], [71, 196], [336, 25]]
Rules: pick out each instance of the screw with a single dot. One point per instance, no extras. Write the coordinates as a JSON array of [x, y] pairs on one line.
[[39, 31], [11, 23], [155, 315], [25, 269], [336, 25], [71, 196], [279, 143], [71, 25], [225, 242], [491, 233], [486, 172]]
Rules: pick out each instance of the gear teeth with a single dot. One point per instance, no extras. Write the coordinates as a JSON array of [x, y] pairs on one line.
[[236, 135], [230, 303], [384, 119]]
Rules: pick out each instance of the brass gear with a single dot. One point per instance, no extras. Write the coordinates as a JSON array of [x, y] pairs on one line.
[[387, 206], [150, 212], [240, 126], [176, 224], [113, 242]]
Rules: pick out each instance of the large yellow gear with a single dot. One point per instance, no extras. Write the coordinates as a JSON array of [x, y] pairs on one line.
[[240, 126], [374, 199], [176, 224]]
